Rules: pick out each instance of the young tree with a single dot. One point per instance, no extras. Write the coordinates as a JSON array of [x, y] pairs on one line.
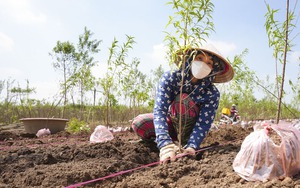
[[82, 77], [296, 90], [130, 75], [64, 57], [23, 96], [115, 66], [278, 35], [240, 90], [157, 73], [135, 85], [192, 24]]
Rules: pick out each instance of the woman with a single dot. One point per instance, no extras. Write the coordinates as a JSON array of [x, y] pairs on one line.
[[192, 89]]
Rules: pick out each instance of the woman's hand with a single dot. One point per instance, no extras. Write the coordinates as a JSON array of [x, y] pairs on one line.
[[168, 153], [189, 151]]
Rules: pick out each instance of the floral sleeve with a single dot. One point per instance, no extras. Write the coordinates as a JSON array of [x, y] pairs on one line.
[[209, 102], [164, 98]]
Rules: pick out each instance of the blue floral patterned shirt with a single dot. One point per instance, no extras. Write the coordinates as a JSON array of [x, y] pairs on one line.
[[204, 93]]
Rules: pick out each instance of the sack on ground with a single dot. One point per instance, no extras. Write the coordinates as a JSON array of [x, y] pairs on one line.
[[101, 134], [43, 132], [271, 151]]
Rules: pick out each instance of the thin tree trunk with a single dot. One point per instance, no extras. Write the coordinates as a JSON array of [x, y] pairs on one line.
[[284, 62]]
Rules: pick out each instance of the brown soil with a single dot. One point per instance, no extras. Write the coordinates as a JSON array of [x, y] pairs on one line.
[[62, 159]]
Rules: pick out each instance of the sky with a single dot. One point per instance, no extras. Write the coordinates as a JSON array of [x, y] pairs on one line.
[[29, 30]]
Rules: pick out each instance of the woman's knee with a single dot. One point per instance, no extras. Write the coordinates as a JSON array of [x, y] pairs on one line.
[[143, 126]]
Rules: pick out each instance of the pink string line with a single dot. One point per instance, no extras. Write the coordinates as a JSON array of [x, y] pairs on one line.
[[134, 169]]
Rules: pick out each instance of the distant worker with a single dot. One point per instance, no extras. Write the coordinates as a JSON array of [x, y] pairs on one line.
[[233, 112]]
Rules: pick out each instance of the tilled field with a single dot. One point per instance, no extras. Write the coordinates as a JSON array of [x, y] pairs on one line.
[[65, 160]]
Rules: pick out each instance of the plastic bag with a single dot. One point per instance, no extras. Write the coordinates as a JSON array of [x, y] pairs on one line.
[[271, 151], [43, 132], [297, 125], [118, 129], [101, 134]]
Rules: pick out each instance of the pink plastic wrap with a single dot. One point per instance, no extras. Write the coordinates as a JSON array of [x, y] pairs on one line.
[[271, 151], [297, 125], [101, 134]]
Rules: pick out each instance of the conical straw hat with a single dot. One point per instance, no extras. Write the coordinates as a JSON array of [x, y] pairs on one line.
[[227, 74]]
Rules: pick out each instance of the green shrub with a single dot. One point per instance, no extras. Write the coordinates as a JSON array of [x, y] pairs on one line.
[[76, 126]]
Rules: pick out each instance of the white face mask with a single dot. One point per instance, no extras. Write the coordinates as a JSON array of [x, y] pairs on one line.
[[200, 69]]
